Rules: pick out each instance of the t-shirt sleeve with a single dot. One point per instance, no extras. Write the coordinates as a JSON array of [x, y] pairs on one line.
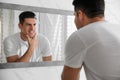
[[10, 47], [74, 51], [46, 50]]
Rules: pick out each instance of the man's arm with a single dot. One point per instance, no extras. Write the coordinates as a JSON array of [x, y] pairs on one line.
[[47, 58], [70, 73], [24, 58], [32, 42]]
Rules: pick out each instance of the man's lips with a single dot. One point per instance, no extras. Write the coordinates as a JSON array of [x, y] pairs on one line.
[[31, 32]]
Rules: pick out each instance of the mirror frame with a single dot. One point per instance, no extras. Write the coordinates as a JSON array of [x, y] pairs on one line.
[[35, 9]]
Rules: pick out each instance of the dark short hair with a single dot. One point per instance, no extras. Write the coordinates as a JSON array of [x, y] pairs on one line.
[[91, 8], [26, 14]]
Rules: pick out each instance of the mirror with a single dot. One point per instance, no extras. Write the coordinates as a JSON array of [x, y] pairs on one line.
[[56, 27]]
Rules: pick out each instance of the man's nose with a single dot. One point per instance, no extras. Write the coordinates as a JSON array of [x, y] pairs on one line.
[[32, 27]]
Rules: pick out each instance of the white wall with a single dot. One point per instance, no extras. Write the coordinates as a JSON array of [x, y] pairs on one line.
[[55, 4]]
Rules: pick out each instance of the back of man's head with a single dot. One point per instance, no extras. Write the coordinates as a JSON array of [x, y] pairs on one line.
[[26, 14], [92, 8]]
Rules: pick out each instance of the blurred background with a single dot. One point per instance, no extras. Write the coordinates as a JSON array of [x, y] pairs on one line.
[[55, 20]]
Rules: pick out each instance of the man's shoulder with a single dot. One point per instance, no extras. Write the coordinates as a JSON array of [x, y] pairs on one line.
[[42, 40], [12, 37], [41, 36], [75, 35]]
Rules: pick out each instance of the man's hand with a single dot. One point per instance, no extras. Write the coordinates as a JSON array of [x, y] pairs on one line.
[[32, 42]]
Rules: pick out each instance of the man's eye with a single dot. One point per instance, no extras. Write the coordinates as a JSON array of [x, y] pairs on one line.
[[28, 24]]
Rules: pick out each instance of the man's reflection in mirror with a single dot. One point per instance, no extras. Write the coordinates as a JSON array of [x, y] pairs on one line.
[[27, 45]]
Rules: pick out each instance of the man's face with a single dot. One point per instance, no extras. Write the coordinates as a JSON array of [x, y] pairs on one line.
[[28, 27]]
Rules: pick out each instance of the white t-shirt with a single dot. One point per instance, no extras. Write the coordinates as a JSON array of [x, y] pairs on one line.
[[14, 45], [96, 47]]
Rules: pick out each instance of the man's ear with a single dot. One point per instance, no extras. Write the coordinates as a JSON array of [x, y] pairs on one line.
[[19, 25], [81, 15]]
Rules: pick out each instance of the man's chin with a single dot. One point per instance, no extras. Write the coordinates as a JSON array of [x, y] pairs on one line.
[[32, 35]]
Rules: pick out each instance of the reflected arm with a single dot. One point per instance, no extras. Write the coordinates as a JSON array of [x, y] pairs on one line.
[[47, 58], [24, 58]]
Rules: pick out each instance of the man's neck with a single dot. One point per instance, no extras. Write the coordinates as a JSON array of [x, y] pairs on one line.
[[96, 19], [23, 37]]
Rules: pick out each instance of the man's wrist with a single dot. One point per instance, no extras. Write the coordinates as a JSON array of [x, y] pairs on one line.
[[30, 49]]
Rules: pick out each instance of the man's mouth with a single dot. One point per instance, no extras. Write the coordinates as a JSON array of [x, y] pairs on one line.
[[31, 32]]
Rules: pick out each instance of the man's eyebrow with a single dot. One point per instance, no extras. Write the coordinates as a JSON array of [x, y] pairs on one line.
[[34, 23], [28, 23]]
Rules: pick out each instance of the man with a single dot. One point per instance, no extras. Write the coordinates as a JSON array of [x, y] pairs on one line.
[[27, 45], [95, 45]]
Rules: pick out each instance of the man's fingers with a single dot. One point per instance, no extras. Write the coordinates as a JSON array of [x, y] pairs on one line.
[[35, 36], [28, 37]]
